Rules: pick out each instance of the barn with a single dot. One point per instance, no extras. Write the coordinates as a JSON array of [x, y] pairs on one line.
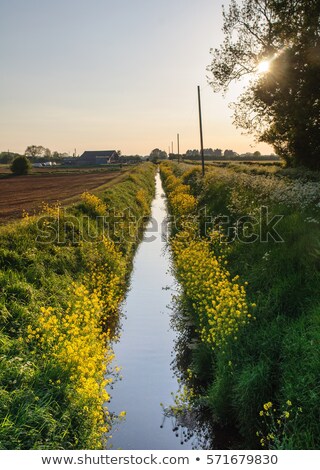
[[98, 157]]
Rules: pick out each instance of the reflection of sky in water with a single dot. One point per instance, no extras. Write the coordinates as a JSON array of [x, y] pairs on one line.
[[144, 351]]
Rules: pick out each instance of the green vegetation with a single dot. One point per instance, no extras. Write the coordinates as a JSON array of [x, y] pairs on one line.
[[20, 166], [276, 45], [62, 276], [7, 157], [253, 371]]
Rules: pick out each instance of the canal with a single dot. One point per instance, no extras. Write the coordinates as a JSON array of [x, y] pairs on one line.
[[145, 349]]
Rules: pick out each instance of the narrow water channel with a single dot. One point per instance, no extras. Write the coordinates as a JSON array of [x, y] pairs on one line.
[[145, 349]]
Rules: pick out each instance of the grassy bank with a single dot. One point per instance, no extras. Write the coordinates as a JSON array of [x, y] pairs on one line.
[[251, 291], [62, 277]]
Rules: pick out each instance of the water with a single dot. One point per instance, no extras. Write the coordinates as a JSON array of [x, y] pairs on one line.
[[145, 349]]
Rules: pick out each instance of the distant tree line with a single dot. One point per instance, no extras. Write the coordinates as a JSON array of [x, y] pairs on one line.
[[130, 159], [38, 153], [211, 155], [8, 157], [219, 154], [35, 153]]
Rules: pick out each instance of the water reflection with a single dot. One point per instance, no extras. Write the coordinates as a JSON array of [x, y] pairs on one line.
[[144, 351], [188, 416], [191, 412], [156, 351]]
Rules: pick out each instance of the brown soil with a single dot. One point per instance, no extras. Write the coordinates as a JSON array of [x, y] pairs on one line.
[[27, 193]]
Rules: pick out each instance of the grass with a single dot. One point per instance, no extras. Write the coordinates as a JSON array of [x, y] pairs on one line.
[[58, 314], [275, 357]]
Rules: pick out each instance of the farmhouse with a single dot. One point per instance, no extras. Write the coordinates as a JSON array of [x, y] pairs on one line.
[[98, 157]]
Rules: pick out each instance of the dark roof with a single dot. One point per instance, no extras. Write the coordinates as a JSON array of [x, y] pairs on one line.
[[98, 153]]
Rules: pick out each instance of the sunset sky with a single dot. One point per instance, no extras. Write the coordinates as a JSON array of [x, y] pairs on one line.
[[112, 74]]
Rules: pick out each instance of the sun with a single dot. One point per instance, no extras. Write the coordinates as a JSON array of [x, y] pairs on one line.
[[263, 66]]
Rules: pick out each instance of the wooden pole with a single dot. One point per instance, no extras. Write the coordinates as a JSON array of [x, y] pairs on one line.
[[201, 133]]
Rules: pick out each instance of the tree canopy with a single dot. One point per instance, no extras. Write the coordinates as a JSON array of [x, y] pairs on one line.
[[20, 165], [277, 44], [157, 154], [35, 151]]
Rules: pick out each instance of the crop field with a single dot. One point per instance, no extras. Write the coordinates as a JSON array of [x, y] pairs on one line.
[[27, 193], [62, 169]]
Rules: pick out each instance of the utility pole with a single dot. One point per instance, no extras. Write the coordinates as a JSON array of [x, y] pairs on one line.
[[172, 147], [201, 134], [178, 145]]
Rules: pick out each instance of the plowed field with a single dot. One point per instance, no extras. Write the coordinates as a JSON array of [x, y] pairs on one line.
[[27, 193]]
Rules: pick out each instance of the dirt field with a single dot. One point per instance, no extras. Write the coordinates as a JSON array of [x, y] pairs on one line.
[[27, 193], [61, 169]]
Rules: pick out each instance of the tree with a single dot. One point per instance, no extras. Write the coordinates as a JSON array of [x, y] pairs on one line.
[[35, 151], [217, 152], [158, 154], [208, 152], [47, 153], [8, 157], [277, 44], [20, 165], [192, 153], [229, 154]]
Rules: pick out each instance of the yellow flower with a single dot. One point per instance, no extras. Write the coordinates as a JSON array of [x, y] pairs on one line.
[[267, 406]]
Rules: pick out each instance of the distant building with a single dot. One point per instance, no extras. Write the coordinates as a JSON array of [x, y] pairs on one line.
[[98, 157]]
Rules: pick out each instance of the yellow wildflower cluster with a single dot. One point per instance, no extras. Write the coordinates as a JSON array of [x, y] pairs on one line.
[[181, 202], [171, 181], [25, 215], [180, 188], [142, 200], [183, 400], [219, 302], [93, 204], [52, 210], [77, 340], [267, 406], [275, 423]]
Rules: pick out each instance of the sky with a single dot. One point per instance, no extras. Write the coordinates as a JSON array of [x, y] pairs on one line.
[[112, 74]]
